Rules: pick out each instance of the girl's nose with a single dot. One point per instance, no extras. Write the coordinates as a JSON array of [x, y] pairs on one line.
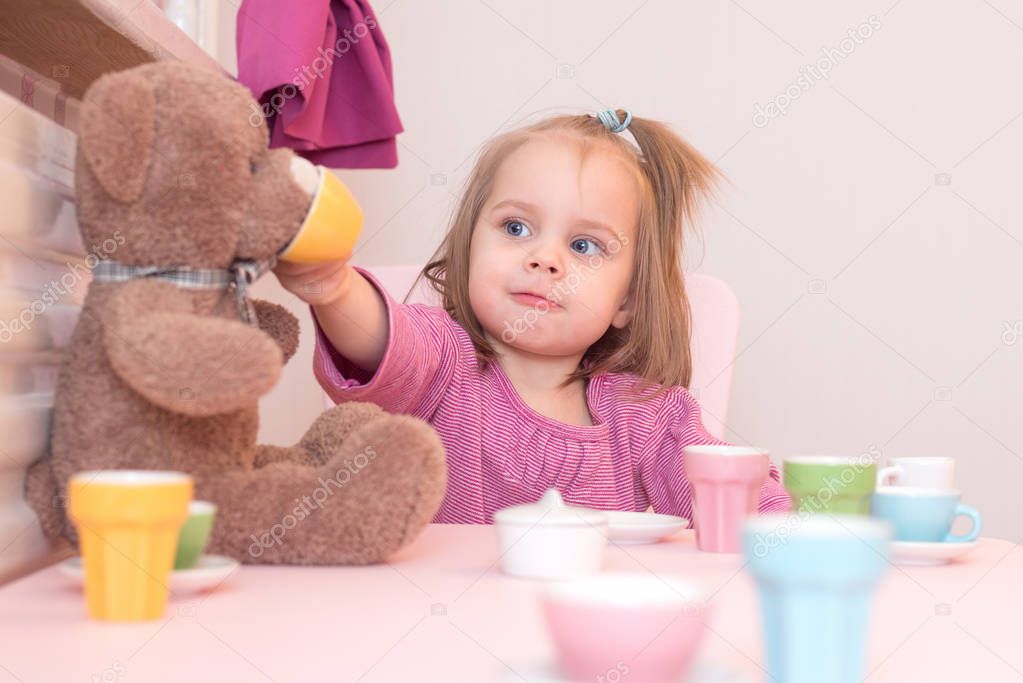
[[544, 262], [544, 257]]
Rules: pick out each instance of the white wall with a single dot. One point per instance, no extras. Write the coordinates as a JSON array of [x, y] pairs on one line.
[[873, 233]]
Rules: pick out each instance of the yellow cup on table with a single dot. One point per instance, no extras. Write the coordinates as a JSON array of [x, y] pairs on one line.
[[331, 227], [128, 523]]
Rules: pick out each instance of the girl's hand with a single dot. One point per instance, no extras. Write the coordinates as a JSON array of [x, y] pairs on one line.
[[317, 284]]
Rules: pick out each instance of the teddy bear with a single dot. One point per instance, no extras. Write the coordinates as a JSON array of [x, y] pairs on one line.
[[169, 356]]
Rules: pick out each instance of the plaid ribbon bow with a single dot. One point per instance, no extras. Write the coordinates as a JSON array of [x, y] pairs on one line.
[[240, 275]]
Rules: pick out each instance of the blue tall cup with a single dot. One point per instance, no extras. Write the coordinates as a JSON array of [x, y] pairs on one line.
[[924, 515], [816, 575]]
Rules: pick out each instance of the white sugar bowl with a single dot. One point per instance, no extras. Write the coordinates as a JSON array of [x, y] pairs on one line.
[[550, 540]]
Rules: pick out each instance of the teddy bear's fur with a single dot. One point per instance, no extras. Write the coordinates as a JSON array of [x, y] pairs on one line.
[[156, 376]]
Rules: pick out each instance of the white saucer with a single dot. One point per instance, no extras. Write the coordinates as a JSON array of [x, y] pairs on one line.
[[635, 528], [209, 572], [922, 553], [702, 672]]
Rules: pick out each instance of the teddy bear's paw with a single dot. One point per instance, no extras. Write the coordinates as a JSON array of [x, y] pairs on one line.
[[391, 476]]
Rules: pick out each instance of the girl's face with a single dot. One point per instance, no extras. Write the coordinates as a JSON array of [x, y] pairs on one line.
[[552, 254]]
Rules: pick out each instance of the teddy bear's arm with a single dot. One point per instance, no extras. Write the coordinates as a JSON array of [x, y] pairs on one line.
[[277, 322], [184, 362]]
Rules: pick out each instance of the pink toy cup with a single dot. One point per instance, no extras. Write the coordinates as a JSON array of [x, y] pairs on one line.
[[726, 482]]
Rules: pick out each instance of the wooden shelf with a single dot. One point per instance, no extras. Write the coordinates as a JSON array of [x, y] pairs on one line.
[[74, 42]]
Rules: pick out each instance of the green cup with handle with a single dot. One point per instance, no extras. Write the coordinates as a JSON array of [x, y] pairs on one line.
[[831, 484], [195, 533]]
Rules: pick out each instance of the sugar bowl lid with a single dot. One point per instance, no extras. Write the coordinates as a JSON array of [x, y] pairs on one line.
[[550, 510]]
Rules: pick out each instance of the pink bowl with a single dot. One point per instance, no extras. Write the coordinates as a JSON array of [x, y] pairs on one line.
[[625, 626]]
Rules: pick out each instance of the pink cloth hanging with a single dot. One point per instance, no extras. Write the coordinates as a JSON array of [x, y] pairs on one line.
[[321, 71]]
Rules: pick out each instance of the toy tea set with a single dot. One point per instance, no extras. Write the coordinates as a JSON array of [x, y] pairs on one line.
[[814, 568]]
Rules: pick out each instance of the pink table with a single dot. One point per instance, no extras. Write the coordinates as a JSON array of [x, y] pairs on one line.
[[442, 611]]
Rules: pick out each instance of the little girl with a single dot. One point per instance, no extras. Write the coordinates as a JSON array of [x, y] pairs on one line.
[[560, 357]]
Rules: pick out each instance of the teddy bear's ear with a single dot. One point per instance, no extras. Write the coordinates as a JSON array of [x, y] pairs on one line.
[[116, 132]]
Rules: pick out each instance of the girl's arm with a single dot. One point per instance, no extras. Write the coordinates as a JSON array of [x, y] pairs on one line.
[[350, 311], [368, 347]]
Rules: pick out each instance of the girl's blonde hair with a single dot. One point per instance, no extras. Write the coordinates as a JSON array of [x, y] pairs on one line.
[[674, 179]]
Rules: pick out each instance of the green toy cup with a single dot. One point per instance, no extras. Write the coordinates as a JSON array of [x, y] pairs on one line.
[[830, 484], [195, 533]]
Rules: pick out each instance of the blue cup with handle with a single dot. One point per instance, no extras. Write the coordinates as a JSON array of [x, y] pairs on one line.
[[816, 575], [924, 515]]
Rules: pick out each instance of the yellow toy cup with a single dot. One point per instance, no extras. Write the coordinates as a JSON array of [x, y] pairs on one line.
[[331, 227], [128, 523]]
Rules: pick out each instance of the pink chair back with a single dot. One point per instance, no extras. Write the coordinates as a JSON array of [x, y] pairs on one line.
[[715, 329]]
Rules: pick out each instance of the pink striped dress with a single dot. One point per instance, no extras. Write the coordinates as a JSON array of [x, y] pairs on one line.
[[501, 452]]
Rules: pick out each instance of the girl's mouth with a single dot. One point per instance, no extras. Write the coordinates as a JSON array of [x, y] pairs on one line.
[[534, 301]]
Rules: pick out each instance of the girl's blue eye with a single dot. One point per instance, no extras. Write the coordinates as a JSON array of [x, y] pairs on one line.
[[516, 228], [584, 246]]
